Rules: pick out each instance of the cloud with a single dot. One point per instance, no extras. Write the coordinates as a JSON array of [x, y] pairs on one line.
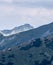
[[26, 11], [30, 3], [17, 12], [6, 1], [45, 4]]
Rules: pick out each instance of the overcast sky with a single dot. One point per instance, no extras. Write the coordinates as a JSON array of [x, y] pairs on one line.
[[17, 12]]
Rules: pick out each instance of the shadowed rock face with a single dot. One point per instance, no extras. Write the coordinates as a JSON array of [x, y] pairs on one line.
[[10, 63], [27, 48], [35, 52], [16, 39], [35, 43], [44, 62], [1, 37], [1, 64], [49, 43]]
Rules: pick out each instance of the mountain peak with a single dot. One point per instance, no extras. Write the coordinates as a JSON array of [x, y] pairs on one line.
[[18, 29], [27, 25], [22, 27]]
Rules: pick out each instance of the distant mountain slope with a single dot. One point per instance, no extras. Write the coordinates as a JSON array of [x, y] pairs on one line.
[[26, 36], [18, 29], [35, 52]]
